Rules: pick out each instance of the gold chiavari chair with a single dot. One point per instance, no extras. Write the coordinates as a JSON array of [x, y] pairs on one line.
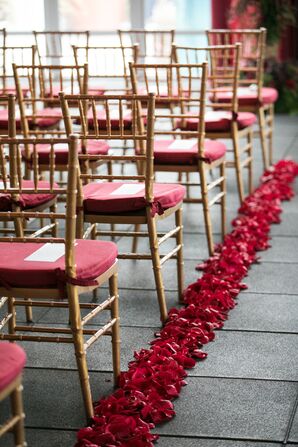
[[252, 96], [127, 198], [224, 120], [54, 272], [8, 56], [108, 67], [12, 362], [184, 150], [154, 45], [55, 47]]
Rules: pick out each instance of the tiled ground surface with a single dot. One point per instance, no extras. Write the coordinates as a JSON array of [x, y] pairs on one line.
[[243, 395]]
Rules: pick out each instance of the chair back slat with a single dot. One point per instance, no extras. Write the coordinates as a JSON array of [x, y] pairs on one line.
[[108, 66], [55, 47], [154, 45], [117, 118], [180, 93], [253, 47]]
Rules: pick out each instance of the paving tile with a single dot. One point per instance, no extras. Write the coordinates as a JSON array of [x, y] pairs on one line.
[[264, 312], [282, 248], [273, 278], [191, 442], [241, 409], [49, 438], [52, 399], [288, 226], [99, 355], [250, 355]]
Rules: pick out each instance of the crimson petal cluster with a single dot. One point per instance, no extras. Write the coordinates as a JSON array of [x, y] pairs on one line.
[[156, 375]]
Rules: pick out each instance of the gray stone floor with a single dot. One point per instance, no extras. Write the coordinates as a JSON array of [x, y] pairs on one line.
[[244, 394]]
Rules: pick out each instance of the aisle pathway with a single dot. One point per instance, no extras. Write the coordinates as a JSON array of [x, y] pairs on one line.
[[243, 395]]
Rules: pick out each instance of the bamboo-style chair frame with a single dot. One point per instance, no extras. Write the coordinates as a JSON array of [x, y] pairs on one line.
[[54, 44], [43, 297], [225, 60], [251, 70], [10, 55], [108, 65], [182, 96], [154, 45], [16, 422], [142, 137]]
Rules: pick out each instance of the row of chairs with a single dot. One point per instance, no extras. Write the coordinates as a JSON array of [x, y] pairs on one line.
[[163, 131], [143, 46]]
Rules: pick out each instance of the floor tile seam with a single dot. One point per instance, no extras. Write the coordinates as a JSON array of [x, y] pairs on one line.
[[110, 371], [262, 331], [157, 328], [263, 261], [289, 147], [220, 438]]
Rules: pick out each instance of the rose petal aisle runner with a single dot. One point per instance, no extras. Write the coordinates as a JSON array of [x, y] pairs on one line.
[[156, 375]]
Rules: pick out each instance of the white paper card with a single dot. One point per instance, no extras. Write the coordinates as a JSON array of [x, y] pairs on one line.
[[127, 190], [47, 253], [182, 144]]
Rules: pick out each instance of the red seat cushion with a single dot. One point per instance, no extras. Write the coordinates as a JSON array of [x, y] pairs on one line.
[[165, 154], [47, 117], [102, 123], [249, 96], [220, 121], [27, 201], [12, 362], [108, 198], [92, 259], [94, 147], [56, 89], [4, 120]]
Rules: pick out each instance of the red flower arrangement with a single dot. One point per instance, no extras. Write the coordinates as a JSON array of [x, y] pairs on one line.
[[156, 375]]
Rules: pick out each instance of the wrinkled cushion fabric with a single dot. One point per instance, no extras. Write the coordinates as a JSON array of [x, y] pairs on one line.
[[92, 259], [12, 362], [220, 121], [27, 201], [248, 96], [98, 197], [46, 118], [163, 154], [94, 147]]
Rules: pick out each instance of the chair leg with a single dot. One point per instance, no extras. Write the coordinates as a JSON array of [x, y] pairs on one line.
[[113, 288], [206, 210], [237, 161], [270, 133], [250, 165], [18, 411], [156, 266], [12, 310], [135, 239], [80, 353], [262, 128], [53, 209], [180, 261], [223, 189]]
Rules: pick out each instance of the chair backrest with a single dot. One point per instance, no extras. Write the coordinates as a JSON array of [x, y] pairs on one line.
[[114, 118], [54, 47], [223, 76], [180, 91], [155, 45], [108, 66], [44, 82], [252, 55], [9, 55], [13, 186]]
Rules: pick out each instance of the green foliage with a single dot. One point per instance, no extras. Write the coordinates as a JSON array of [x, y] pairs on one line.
[[275, 15]]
